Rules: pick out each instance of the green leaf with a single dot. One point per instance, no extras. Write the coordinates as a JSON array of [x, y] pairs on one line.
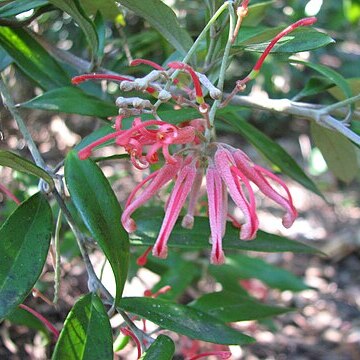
[[19, 6], [101, 32], [86, 333], [179, 277], [163, 19], [25, 240], [5, 59], [184, 320], [18, 163], [72, 100], [301, 39], [256, 13], [231, 307], [32, 58], [247, 267], [101, 213], [22, 317], [338, 152], [162, 348], [314, 86], [271, 151], [331, 74], [75, 10], [354, 84], [108, 8], [198, 237], [95, 135]]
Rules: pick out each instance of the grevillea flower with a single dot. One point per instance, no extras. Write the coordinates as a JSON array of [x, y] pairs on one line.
[[143, 134]]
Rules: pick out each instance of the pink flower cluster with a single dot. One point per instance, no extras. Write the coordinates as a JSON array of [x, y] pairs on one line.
[[226, 169]]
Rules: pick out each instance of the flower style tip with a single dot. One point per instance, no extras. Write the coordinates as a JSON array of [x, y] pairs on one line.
[[153, 64], [76, 80]]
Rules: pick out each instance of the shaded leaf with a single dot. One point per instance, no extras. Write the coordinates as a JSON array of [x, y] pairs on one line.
[[86, 333], [247, 267], [163, 19], [5, 59], [19, 6], [18, 163], [22, 317], [256, 13], [338, 152], [331, 74], [162, 348], [314, 86], [25, 240], [184, 320], [108, 8], [32, 58], [101, 213], [75, 10], [271, 150], [198, 237], [354, 84], [72, 100], [231, 307]]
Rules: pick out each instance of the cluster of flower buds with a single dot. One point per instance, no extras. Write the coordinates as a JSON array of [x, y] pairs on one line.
[[189, 155]]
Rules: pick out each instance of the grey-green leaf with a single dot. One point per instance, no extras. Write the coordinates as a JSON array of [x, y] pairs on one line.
[[25, 240], [338, 152], [163, 19], [101, 213], [87, 333], [184, 320], [18, 163], [162, 348]]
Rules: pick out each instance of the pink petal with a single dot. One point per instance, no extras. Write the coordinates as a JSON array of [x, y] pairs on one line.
[[163, 176], [176, 201], [224, 161], [215, 194]]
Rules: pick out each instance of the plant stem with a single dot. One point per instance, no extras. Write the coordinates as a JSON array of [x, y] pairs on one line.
[[220, 85], [8, 102]]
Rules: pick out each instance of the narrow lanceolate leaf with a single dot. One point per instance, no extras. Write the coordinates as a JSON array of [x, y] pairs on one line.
[[338, 152], [231, 307], [163, 19], [72, 100], [301, 39], [271, 150], [162, 348], [101, 213], [247, 267], [331, 74], [198, 237], [18, 163], [19, 6], [22, 317], [184, 320], [32, 58], [75, 10], [24, 244], [5, 59], [87, 333]]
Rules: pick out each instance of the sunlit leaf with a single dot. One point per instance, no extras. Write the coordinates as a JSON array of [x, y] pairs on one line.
[[86, 333]]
